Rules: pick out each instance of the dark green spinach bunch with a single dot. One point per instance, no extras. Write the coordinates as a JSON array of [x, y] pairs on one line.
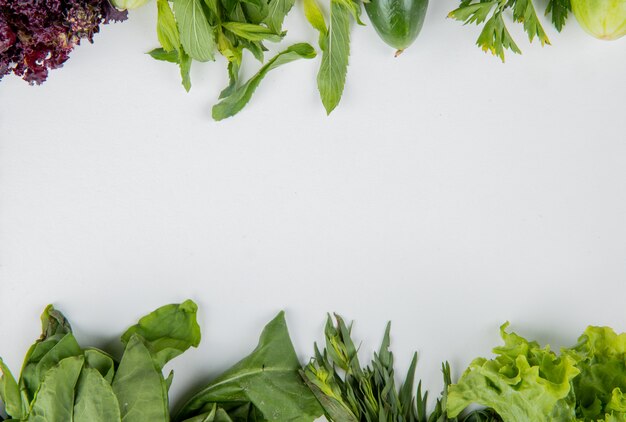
[[198, 29], [62, 381]]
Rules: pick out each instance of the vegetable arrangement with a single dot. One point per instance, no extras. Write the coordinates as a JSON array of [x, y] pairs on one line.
[[62, 381], [39, 35]]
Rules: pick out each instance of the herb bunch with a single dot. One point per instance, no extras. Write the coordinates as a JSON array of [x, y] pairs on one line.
[[199, 29], [351, 393], [495, 36], [39, 35]]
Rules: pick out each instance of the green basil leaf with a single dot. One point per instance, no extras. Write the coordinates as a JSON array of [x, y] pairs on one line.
[[167, 31], [196, 35], [252, 32], [10, 394], [54, 400], [95, 400], [166, 56], [239, 97], [267, 380], [335, 45], [168, 331], [139, 385]]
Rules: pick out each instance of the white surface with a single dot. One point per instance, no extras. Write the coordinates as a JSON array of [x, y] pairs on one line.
[[448, 193]]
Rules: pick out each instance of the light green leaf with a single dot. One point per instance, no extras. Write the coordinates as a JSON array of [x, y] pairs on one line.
[[46, 354], [523, 383], [10, 393], [167, 31], [167, 331], [95, 400], [268, 379], [239, 97], [252, 32], [277, 11], [335, 45], [54, 400], [185, 68], [196, 35], [315, 16]]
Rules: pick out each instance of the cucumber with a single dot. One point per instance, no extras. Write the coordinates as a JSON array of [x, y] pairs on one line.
[[398, 22]]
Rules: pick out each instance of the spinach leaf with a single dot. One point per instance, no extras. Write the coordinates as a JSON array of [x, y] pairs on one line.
[[55, 397], [265, 385], [100, 361], [10, 393], [196, 35], [168, 331], [95, 400], [240, 96], [139, 385]]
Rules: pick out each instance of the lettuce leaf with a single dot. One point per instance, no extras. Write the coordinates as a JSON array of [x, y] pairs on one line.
[[601, 358], [524, 382]]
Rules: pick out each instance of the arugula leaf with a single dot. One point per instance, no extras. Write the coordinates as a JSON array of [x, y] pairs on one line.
[[196, 35], [264, 385], [55, 397], [239, 97], [167, 331], [335, 46], [139, 385], [95, 400], [278, 9], [495, 36], [252, 32]]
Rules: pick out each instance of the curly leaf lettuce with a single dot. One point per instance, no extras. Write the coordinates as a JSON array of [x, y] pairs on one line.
[[601, 358], [522, 383]]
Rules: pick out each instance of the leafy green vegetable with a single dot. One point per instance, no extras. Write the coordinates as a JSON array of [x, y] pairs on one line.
[[600, 356], [196, 35], [277, 10], [263, 386], [55, 397], [559, 10], [362, 394], [334, 42], [95, 400], [237, 98], [139, 385], [495, 36], [60, 381], [523, 383], [168, 331]]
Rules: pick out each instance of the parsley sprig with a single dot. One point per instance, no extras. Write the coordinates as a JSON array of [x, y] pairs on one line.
[[495, 36]]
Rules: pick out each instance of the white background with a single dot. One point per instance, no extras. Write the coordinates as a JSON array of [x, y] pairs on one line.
[[447, 193]]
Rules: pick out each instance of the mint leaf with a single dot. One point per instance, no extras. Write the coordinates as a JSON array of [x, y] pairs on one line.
[[167, 31], [278, 9], [335, 45], [252, 32], [196, 35], [239, 97]]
